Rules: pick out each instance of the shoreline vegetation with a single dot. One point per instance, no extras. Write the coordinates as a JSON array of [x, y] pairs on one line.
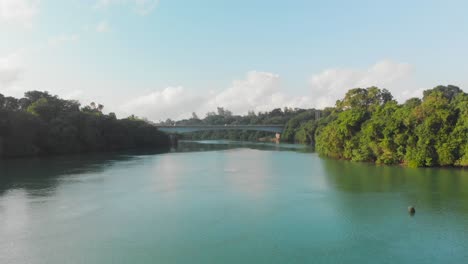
[[41, 124], [367, 125]]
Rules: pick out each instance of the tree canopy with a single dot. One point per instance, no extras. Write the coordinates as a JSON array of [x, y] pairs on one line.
[[370, 126], [367, 125], [42, 124]]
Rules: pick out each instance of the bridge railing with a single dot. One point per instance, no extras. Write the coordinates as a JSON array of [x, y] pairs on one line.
[[194, 128]]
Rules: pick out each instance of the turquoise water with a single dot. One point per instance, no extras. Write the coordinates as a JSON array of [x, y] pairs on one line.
[[226, 202]]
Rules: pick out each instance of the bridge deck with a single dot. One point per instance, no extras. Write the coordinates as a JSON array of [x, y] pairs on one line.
[[194, 128]]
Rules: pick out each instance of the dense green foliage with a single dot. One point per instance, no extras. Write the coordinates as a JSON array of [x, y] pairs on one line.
[[368, 125], [300, 124], [293, 118], [41, 124]]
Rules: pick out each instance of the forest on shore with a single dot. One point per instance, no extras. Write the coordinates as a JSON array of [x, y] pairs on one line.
[[366, 125], [43, 124]]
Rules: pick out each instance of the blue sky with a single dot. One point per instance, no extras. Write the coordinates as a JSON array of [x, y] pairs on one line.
[[168, 58]]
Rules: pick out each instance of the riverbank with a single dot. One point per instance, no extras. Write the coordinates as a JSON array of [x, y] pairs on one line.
[[367, 125], [40, 124]]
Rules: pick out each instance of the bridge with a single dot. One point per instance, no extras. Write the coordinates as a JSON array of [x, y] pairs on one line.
[[278, 129]]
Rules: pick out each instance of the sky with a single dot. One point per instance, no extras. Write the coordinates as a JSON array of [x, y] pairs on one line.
[[168, 58]]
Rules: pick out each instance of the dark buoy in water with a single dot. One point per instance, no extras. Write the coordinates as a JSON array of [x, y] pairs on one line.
[[411, 210]]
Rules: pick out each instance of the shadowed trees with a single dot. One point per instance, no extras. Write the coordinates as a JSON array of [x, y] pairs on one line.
[[42, 124], [367, 125], [223, 116]]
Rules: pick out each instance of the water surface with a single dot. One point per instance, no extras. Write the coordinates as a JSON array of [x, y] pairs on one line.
[[226, 202]]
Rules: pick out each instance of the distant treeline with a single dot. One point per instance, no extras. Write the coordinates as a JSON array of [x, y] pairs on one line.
[[366, 125], [42, 124], [294, 117]]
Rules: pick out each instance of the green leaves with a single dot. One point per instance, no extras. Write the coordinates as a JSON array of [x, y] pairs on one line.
[[41, 124], [367, 99], [370, 126]]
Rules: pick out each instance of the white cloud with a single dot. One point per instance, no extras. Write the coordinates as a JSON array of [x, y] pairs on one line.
[[18, 12], [141, 7], [260, 91], [144, 7], [73, 95], [103, 27], [10, 73], [62, 39], [171, 102], [332, 84]]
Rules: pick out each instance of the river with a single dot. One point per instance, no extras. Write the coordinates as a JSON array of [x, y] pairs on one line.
[[227, 202]]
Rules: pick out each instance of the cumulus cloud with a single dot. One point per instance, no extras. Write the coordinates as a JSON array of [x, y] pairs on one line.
[[10, 73], [62, 39], [74, 95], [141, 7], [171, 102], [144, 7], [18, 12], [259, 91], [332, 84], [103, 27], [262, 91]]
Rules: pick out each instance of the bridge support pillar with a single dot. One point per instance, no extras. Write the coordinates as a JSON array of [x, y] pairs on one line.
[[278, 137], [174, 140]]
